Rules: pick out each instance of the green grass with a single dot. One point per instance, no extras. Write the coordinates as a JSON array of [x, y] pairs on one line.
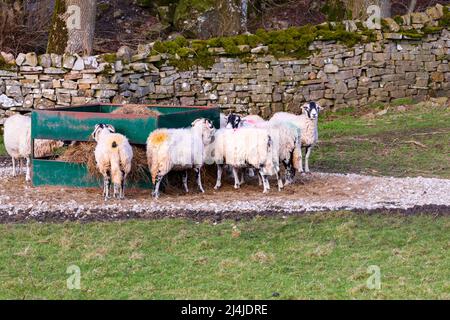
[[313, 256], [410, 143], [2, 146]]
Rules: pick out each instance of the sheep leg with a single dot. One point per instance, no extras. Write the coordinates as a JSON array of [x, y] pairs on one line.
[[20, 166], [14, 173], [28, 172], [265, 182], [116, 191], [155, 192], [219, 176], [185, 179], [251, 172], [280, 182], [198, 176], [106, 185], [287, 172], [260, 182], [308, 153], [122, 187], [241, 180], [236, 178]]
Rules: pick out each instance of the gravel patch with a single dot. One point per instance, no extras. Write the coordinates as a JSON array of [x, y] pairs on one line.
[[20, 201]]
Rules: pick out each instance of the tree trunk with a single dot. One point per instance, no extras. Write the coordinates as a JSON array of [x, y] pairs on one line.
[[73, 26], [412, 6], [385, 6], [81, 24], [359, 7], [57, 39], [244, 14]]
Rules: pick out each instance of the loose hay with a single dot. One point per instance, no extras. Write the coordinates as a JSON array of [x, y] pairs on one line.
[[83, 152], [136, 109]]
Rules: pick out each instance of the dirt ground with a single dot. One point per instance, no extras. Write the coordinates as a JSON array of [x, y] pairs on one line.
[[20, 201]]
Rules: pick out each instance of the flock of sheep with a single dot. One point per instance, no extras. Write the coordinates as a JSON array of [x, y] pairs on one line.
[[242, 144]]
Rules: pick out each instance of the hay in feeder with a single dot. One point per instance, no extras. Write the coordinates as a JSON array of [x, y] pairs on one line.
[[136, 109], [83, 152]]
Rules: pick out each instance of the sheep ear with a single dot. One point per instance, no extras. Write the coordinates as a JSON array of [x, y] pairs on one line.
[[111, 128], [195, 121], [94, 133]]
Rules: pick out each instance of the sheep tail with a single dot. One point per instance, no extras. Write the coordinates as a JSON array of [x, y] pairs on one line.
[[152, 164], [116, 171], [156, 139]]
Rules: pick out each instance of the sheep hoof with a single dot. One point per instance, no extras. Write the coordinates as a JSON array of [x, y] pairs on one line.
[[217, 187], [236, 186]]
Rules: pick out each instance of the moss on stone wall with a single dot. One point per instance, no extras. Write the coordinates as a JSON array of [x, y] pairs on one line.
[[293, 42], [5, 66], [109, 57], [445, 20]]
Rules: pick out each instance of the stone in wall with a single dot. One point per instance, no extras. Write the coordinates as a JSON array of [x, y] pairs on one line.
[[335, 75]]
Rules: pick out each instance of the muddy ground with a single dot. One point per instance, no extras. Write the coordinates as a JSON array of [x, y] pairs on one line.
[[19, 201]]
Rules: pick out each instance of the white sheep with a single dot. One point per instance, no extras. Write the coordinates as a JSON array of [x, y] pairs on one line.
[[178, 149], [113, 155], [306, 122], [17, 138], [242, 148], [286, 138]]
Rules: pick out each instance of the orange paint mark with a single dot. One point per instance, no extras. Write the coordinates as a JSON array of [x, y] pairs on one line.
[[158, 137]]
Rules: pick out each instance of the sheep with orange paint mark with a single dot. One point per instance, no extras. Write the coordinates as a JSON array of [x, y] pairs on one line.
[[180, 150]]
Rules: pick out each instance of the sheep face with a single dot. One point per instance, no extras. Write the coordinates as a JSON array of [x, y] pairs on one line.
[[233, 121], [99, 128], [206, 127], [312, 109]]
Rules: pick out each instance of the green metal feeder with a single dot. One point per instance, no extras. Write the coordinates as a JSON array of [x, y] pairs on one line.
[[77, 123]]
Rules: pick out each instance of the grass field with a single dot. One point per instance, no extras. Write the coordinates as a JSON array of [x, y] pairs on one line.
[[410, 143], [324, 255], [314, 256], [2, 147]]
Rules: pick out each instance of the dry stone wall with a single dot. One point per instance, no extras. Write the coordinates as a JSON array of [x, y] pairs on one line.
[[392, 67]]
